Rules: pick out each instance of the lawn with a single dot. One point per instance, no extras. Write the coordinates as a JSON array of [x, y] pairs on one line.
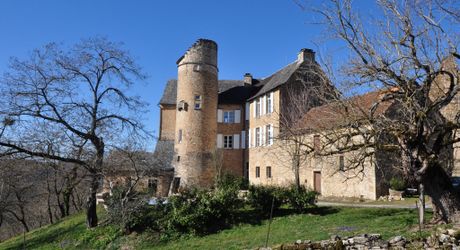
[[286, 227]]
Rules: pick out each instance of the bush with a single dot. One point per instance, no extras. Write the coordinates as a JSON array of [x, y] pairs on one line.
[[128, 212], [262, 197], [199, 212], [300, 198], [397, 184]]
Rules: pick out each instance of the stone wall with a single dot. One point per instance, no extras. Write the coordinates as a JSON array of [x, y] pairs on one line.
[[167, 122]]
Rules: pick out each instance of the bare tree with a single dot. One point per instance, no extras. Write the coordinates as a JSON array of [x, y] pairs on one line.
[[407, 48], [68, 104]]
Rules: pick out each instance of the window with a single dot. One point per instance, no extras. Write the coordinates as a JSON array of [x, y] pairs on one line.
[[257, 172], [316, 143], [341, 163], [176, 184], [269, 172], [179, 136], [258, 137], [178, 158], [269, 104], [246, 171], [257, 103], [269, 134], [228, 141], [152, 186], [229, 116], [197, 102]]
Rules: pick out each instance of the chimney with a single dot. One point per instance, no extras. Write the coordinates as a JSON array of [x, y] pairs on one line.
[[306, 55], [247, 79]]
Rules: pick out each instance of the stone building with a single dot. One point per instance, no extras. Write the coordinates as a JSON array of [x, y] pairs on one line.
[[213, 126]]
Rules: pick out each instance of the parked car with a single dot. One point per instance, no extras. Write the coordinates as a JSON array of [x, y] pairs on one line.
[[456, 182]]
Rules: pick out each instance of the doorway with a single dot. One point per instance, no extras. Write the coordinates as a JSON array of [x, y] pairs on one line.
[[317, 181]]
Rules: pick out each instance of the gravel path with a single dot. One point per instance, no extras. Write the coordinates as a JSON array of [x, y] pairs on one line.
[[342, 204]]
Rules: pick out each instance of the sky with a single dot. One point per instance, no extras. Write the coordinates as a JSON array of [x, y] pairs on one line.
[[257, 36]]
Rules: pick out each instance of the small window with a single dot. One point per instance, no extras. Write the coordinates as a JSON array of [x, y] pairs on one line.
[[269, 134], [316, 143], [228, 141], [178, 158], [197, 102], [341, 163], [258, 107], [269, 104], [258, 137], [179, 136], [176, 184], [229, 116], [269, 172], [257, 172]]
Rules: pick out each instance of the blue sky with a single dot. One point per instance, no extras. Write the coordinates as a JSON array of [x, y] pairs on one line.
[[253, 36]]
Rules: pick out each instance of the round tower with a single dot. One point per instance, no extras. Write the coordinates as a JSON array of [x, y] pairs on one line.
[[196, 115]]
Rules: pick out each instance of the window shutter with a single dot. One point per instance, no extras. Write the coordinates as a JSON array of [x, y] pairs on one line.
[[236, 141], [249, 138], [271, 134], [246, 111], [254, 104], [219, 115], [237, 116], [243, 139], [271, 102], [263, 103], [262, 136], [220, 141]]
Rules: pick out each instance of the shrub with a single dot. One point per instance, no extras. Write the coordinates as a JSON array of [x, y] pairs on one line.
[[397, 184], [200, 212], [262, 197], [127, 211], [300, 198]]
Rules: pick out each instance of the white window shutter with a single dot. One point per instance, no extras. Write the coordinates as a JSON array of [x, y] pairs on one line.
[[262, 136], [246, 111], [254, 104], [236, 141], [220, 141], [249, 138], [263, 103], [272, 101], [219, 115], [243, 139], [237, 116]]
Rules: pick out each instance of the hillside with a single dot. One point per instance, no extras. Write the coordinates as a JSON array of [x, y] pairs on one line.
[[71, 233]]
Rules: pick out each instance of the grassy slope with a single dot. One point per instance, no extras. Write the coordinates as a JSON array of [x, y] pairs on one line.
[[72, 234]]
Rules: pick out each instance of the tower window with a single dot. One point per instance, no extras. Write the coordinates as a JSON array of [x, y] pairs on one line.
[[229, 116], [269, 172], [257, 172], [341, 163], [179, 136], [198, 102], [228, 141]]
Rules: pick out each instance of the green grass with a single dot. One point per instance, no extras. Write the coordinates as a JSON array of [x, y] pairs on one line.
[[285, 228]]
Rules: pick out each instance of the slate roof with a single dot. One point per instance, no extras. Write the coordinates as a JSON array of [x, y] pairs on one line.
[[164, 154], [230, 91]]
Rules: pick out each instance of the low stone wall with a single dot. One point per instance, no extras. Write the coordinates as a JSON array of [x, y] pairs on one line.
[[442, 239]]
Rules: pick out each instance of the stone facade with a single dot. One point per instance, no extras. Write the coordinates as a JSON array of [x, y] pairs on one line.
[[236, 127]]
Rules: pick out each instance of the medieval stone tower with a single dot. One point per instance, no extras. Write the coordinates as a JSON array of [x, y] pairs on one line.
[[196, 116]]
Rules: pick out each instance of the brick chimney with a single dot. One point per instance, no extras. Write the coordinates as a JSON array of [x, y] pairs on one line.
[[247, 79], [306, 55]]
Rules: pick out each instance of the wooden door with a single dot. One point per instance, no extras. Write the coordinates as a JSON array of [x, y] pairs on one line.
[[317, 181]]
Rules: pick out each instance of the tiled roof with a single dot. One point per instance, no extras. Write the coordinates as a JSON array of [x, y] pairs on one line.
[[342, 113]]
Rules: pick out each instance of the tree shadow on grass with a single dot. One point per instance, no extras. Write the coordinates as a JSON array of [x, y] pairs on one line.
[[256, 217], [43, 239]]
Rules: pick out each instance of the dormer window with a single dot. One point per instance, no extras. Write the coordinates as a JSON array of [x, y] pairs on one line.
[[197, 102]]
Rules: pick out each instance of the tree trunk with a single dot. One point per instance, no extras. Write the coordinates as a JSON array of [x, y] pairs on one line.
[[91, 214], [444, 197]]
